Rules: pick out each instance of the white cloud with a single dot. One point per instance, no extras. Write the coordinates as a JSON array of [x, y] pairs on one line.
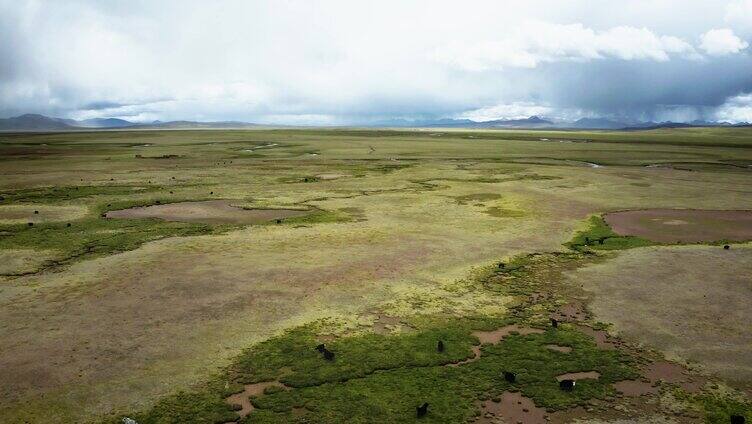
[[719, 42], [517, 110], [531, 43], [736, 109], [739, 15]]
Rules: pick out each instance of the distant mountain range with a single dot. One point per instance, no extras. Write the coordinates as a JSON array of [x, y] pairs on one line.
[[536, 122], [34, 122]]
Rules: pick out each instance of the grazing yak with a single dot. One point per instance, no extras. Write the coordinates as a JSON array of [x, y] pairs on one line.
[[567, 385], [737, 419], [422, 410], [510, 377]]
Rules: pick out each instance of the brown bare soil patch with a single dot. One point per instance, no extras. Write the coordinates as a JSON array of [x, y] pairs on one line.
[[207, 212], [682, 225], [634, 388], [579, 376], [691, 302], [670, 372], [570, 312], [495, 336], [558, 348], [250, 390], [602, 340], [513, 408], [385, 324]]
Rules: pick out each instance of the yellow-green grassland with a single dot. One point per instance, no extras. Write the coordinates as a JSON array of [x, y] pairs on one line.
[[378, 244]]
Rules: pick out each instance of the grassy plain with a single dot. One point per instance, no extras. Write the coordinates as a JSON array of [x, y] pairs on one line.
[[162, 320]]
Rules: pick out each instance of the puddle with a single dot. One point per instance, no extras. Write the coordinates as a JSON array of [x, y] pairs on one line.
[[586, 375], [207, 212], [513, 408], [634, 388], [250, 390], [558, 348]]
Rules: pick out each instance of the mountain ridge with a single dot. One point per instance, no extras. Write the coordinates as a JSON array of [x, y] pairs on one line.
[[37, 122]]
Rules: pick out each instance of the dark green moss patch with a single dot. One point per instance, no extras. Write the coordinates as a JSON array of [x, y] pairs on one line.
[[388, 376], [599, 236]]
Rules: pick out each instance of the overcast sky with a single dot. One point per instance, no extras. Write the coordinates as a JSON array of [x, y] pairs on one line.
[[342, 62]]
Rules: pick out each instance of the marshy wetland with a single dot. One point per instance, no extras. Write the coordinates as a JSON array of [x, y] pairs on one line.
[[188, 276]]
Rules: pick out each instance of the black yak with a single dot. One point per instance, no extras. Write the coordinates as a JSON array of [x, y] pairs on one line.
[[422, 410]]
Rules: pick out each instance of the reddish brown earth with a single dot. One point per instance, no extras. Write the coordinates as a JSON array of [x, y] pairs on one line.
[[250, 390], [633, 388], [493, 337], [602, 339], [670, 372], [573, 311], [207, 212], [682, 225], [558, 348], [513, 408], [579, 376]]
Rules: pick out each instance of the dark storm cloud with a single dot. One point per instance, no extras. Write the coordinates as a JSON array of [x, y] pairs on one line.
[[334, 61], [635, 88]]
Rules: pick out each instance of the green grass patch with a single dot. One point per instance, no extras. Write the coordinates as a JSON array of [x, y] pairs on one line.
[[599, 236], [320, 216], [94, 237], [392, 394], [64, 194], [388, 376], [717, 406]]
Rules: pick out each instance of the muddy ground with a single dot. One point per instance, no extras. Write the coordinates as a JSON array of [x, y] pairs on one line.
[[691, 302], [682, 225], [208, 212]]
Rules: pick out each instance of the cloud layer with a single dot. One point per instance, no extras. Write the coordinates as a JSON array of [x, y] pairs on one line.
[[340, 62]]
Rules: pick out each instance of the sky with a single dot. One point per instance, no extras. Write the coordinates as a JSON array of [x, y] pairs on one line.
[[320, 62]]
